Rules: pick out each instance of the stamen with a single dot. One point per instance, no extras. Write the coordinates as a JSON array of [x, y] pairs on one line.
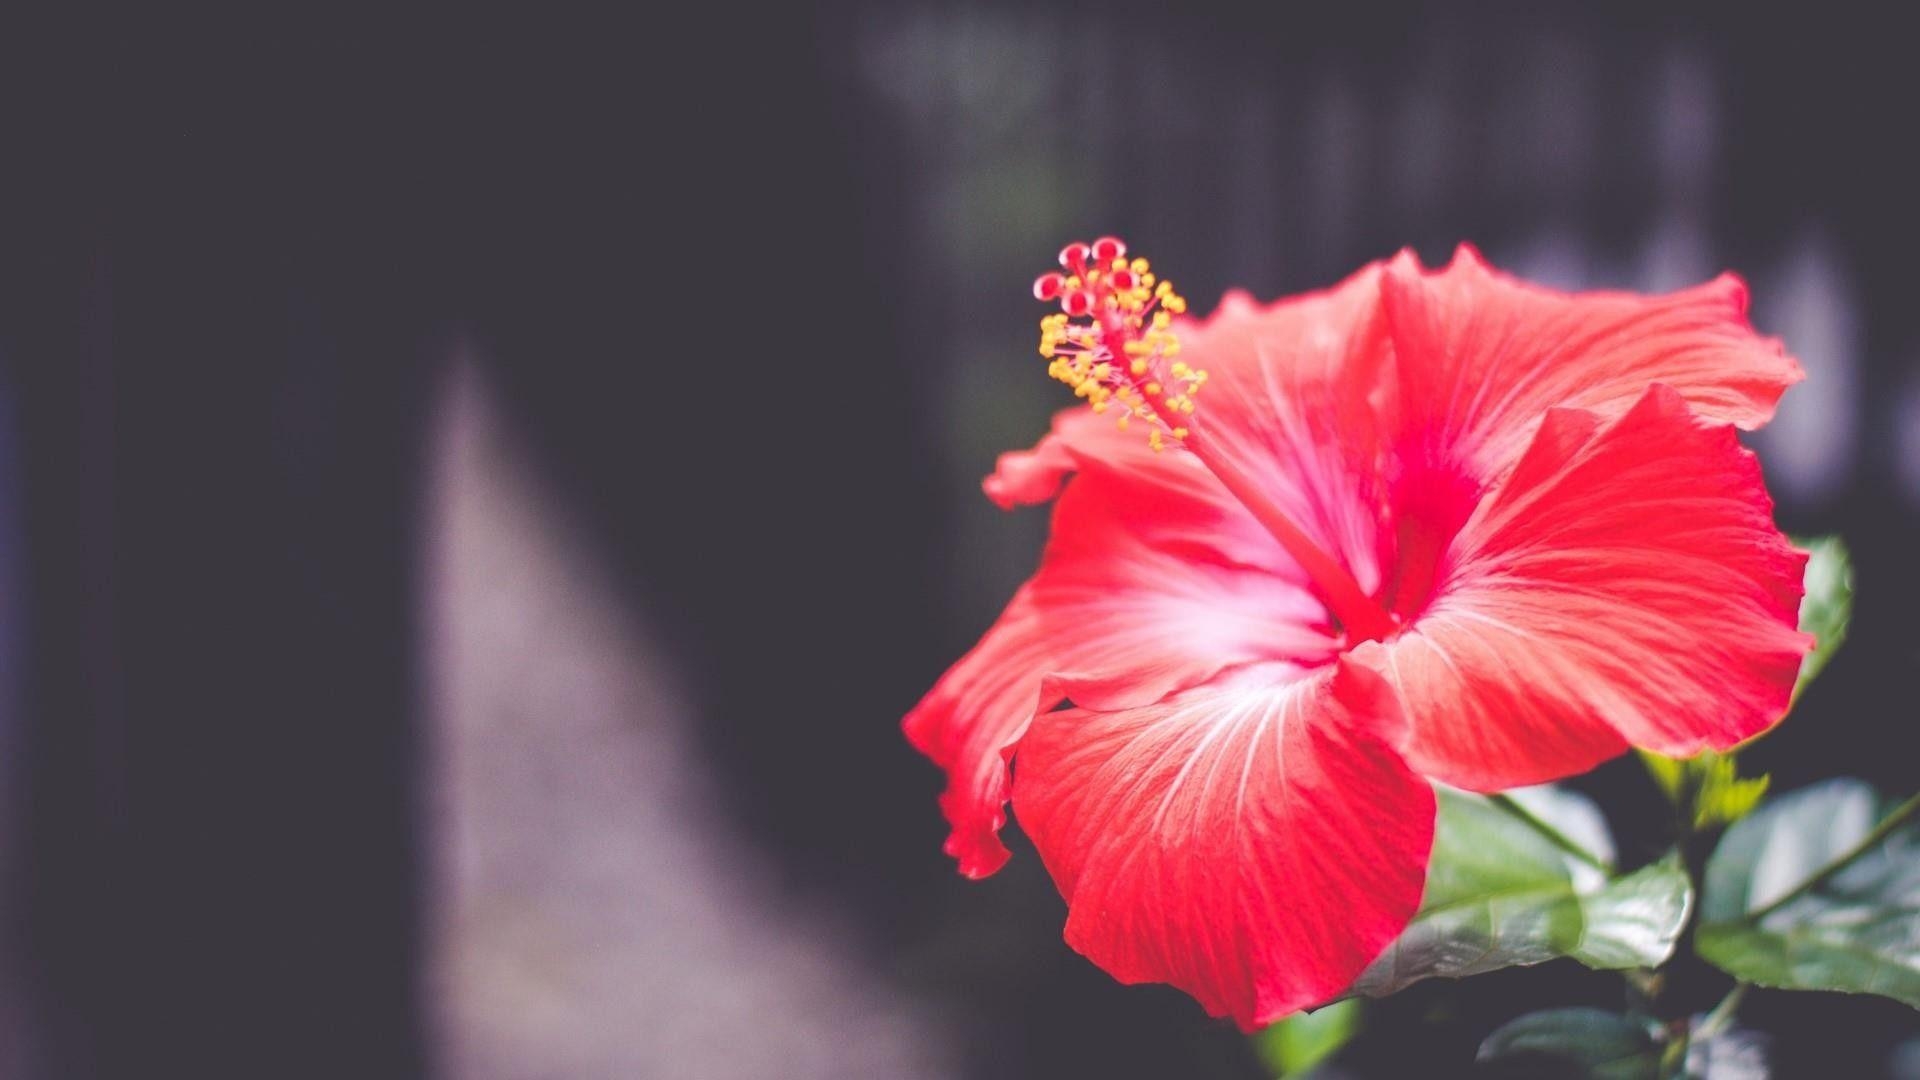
[[1113, 340]]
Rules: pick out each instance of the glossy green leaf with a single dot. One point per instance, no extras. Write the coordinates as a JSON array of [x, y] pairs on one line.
[[1296, 1044], [1857, 930], [1573, 1043], [1828, 605], [1501, 893]]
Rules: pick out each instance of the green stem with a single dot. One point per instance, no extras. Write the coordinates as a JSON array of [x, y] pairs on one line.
[[1558, 838], [1872, 840], [1721, 1017], [1673, 1059]]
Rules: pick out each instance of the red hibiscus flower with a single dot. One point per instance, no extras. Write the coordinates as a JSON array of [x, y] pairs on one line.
[[1426, 524]]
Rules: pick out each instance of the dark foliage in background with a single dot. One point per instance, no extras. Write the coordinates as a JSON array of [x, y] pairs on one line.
[[693, 250]]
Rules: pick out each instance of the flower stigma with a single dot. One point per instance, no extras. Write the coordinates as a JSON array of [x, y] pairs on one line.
[[1112, 339]]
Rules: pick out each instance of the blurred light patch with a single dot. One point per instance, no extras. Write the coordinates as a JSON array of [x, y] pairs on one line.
[[1555, 257], [1676, 252], [592, 914], [1810, 446], [1686, 123]]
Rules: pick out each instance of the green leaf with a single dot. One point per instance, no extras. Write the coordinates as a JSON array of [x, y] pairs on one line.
[[1720, 795], [1724, 796], [1828, 605], [1856, 929], [1709, 782], [1573, 1043], [1669, 773], [1501, 893], [1297, 1044]]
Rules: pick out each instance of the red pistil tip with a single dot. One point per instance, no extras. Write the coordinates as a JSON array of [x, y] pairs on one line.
[[1113, 340]]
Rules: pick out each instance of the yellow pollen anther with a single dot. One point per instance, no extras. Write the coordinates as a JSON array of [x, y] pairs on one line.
[[1113, 341]]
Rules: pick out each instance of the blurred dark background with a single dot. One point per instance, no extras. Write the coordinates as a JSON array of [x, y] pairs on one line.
[[477, 496]]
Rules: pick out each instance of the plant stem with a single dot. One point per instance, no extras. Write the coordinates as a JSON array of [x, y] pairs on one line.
[[1558, 838], [1721, 1017], [1867, 843], [1673, 1059]]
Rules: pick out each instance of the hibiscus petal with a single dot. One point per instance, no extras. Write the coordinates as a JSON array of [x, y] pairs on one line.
[[1244, 841], [1154, 580], [969, 722], [1288, 422], [1481, 357], [1290, 405], [1169, 496], [1146, 589], [1030, 477], [1625, 585]]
